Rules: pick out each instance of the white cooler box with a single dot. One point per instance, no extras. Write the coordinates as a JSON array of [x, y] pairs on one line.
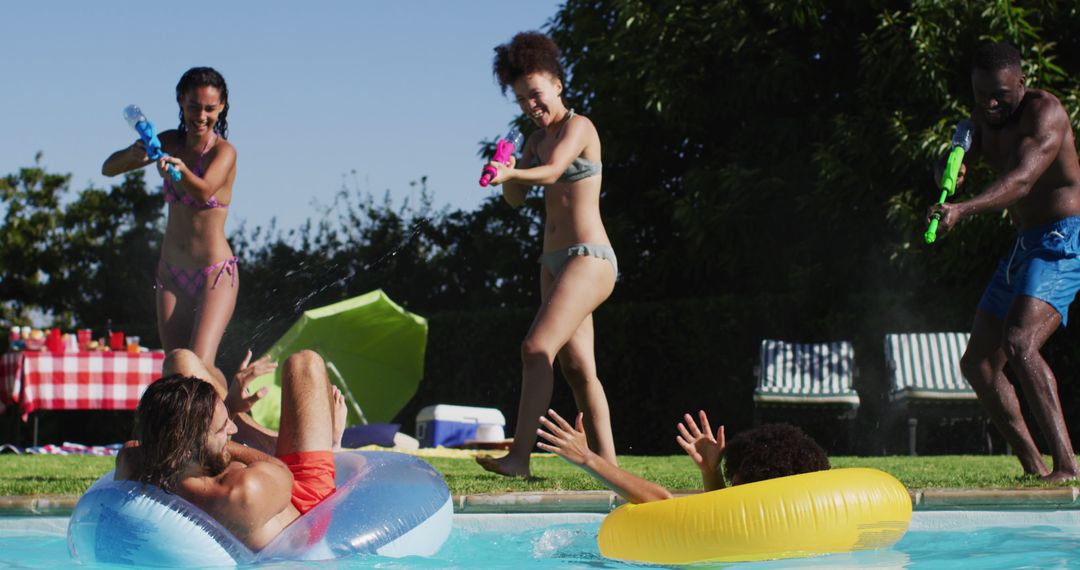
[[448, 425]]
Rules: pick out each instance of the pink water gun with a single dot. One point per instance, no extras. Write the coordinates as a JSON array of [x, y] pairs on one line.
[[503, 150]]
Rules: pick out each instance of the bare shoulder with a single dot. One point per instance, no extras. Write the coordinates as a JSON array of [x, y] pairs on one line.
[[1041, 97], [221, 155], [581, 122], [223, 149], [582, 129], [253, 488], [242, 482], [226, 497], [223, 144], [1046, 109]]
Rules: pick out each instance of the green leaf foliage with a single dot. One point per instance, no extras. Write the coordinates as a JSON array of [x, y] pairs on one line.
[[84, 260], [786, 147]]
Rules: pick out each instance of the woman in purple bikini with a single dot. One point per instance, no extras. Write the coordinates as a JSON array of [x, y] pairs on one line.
[[196, 278]]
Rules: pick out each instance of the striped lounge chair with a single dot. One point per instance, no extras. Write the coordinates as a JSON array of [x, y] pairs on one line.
[[812, 377], [926, 379]]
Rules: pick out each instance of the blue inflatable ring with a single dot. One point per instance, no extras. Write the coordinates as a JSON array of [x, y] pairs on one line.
[[389, 504]]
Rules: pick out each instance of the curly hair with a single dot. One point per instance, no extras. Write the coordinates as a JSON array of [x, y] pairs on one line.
[[527, 52], [205, 77], [996, 56], [172, 423], [770, 451]]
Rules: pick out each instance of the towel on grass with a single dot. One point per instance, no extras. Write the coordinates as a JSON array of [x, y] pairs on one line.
[[68, 448]]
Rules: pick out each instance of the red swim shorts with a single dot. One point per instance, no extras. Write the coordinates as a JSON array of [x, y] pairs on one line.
[[313, 477]]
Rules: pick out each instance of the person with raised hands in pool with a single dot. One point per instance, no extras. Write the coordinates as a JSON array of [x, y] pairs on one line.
[[1026, 136], [184, 446], [765, 452], [196, 278], [578, 265]]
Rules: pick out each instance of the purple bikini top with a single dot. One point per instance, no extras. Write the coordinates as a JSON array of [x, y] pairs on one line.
[[174, 195]]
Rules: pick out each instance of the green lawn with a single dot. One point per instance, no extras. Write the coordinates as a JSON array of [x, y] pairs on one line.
[[71, 475]]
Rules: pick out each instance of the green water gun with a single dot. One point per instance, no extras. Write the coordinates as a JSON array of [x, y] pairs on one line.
[[961, 143]]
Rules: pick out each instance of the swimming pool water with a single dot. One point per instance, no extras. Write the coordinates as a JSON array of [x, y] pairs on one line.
[[969, 539]]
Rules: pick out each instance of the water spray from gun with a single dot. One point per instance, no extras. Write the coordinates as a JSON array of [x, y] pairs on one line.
[[503, 150], [961, 143], [135, 118]]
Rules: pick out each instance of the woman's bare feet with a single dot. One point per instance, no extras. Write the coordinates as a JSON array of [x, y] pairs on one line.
[[340, 413], [505, 465]]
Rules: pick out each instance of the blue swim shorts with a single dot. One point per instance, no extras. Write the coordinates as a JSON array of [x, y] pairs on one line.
[[1044, 264]]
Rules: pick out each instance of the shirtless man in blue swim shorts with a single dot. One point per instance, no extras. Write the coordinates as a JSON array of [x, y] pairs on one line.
[[1025, 136]]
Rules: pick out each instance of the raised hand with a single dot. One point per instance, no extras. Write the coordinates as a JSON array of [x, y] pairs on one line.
[[704, 448], [564, 440], [239, 399], [138, 151]]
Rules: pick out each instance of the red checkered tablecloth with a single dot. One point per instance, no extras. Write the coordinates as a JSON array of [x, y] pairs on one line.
[[78, 380]]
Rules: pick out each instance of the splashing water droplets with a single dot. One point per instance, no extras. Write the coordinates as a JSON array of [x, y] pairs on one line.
[[328, 276]]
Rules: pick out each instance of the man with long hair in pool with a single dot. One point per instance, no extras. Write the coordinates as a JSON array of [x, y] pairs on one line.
[[765, 452], [238, 398], [196, 278], [578, 265], [1026, 136], [184, 446]]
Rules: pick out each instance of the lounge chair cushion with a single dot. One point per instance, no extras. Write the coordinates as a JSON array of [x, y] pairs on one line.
[[926, 366], [819, 373]]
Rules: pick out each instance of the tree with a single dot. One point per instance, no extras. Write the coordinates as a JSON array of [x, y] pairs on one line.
[[110, 245], [783, 149], [84, 262], [31, 221]]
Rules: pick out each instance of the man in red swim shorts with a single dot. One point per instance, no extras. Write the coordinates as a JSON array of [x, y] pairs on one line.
[[184, 446]]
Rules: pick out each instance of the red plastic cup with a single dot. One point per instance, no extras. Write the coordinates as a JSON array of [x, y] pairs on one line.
[[84, 336], [55, 341], [116, 341]]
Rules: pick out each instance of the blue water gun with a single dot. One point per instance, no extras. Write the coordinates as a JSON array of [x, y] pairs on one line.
[[138, 121]]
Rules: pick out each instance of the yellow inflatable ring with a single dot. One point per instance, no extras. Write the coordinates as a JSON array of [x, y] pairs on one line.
[[803, 515]]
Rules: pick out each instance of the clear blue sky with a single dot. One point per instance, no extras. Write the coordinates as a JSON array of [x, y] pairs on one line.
[[393, 90]]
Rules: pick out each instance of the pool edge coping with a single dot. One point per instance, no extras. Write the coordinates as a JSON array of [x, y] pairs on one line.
[[931, 499]]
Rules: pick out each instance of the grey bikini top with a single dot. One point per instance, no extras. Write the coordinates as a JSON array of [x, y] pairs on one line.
[[579, 169]]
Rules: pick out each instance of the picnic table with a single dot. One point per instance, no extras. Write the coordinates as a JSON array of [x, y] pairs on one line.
[[32, 380]]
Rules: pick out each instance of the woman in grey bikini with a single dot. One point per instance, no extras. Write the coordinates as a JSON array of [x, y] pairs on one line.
[[578, 266]]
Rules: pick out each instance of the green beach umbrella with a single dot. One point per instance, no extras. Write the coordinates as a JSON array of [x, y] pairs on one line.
[[374, 352]]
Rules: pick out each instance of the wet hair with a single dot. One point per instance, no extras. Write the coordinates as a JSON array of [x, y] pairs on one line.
[[527, 52], [205, 77], [771, 451], [996, 56], [172, 423]]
